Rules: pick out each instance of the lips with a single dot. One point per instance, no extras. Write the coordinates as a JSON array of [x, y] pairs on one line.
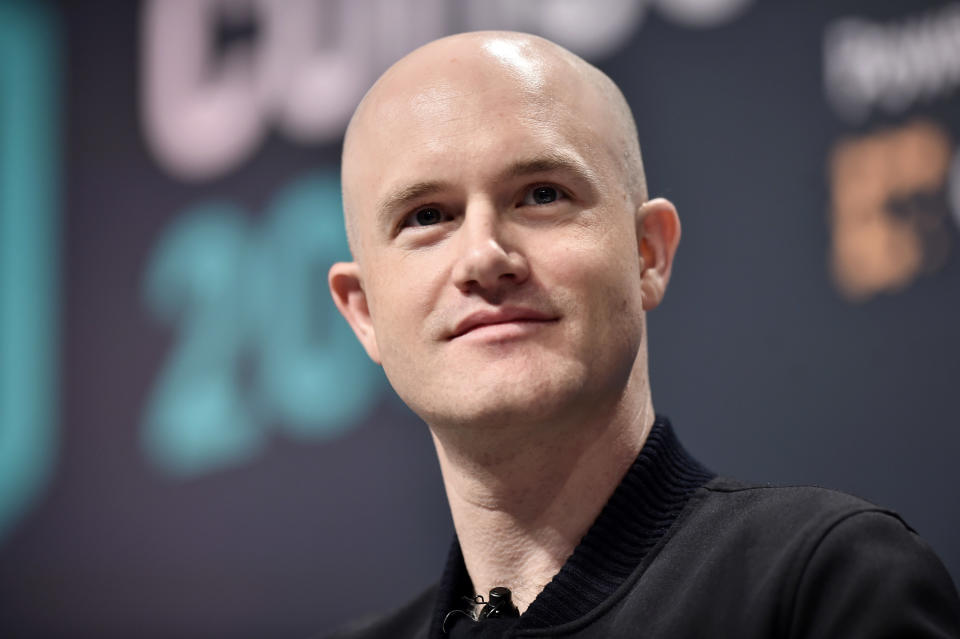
[[505, 315]]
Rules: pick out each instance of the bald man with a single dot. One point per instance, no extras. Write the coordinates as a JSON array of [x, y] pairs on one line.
[[506, 252]]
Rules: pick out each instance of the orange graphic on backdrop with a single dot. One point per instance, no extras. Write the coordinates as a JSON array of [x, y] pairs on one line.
[[888, 208]]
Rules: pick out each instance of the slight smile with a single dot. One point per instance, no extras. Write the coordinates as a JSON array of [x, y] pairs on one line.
[[502, 322]]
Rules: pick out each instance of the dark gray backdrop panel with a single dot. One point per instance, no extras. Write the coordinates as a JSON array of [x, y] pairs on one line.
[[767, 370]]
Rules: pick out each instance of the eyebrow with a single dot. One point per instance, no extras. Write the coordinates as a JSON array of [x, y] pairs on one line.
[[407, 194], [546, 163]]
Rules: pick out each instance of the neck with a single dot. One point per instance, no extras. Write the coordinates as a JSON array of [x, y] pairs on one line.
[[521, 499]]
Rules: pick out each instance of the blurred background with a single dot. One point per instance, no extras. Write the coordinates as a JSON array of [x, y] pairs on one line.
[[193, 445]]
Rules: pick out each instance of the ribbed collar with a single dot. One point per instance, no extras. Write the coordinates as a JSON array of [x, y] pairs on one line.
[[654, 490]]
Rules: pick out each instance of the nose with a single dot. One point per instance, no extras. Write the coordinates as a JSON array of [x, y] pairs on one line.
[[485, 262]]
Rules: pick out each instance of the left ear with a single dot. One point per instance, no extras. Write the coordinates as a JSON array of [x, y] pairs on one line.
[[658, 234]]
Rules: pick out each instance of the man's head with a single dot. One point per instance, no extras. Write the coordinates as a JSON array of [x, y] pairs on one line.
[[505, 248]]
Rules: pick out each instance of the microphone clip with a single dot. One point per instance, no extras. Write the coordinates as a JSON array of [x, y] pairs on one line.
[[499, 605]]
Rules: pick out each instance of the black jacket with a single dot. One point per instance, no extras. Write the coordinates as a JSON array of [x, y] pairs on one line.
[[679, 553]]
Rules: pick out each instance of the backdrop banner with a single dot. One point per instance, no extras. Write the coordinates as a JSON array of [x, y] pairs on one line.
[[192, 442]]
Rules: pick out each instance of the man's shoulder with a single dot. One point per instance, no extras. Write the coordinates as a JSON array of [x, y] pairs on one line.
[[808, 559], [786, 516], [788, 503], [410, 621]]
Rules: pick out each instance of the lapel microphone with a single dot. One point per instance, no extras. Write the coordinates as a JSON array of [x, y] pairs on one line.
[[499, 605]]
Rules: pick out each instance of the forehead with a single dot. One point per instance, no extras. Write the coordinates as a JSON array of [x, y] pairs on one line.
[[471, 98], [466, 126], [468, 116]]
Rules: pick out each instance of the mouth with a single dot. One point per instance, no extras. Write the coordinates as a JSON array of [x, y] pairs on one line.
[[501, 321]]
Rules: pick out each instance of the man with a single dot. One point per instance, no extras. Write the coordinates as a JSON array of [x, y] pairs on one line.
[[505, 254]]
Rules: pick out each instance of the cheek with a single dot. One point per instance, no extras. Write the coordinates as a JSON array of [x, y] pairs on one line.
[[400, 302], [601, 260], [600, 276]]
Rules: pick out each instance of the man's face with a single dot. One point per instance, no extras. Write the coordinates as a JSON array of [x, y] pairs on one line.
[[496, 242]]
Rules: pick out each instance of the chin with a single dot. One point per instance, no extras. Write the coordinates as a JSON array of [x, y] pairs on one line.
[[506, 400]]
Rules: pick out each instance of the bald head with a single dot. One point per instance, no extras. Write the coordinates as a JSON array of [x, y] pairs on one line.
[[496, 176], [536, 80]]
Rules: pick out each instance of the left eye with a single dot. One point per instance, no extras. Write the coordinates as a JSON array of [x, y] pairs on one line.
[[540, 195]]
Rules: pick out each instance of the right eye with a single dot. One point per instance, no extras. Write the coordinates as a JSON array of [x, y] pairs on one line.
[[426, 216]]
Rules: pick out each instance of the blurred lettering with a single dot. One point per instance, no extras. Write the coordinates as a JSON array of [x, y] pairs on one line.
[[702, 14], [29, 254], [891, 66], [889, 207], [208, 101], [591, 29], [259, 341], [217, 75], [954, 192]]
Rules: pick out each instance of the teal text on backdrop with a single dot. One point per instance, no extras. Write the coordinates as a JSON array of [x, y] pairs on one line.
[[29, 231], [258, 341]]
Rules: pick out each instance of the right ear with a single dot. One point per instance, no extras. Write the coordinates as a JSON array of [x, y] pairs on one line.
[[346, 287]]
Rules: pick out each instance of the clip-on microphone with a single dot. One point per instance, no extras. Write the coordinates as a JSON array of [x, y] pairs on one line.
[[499, 605]]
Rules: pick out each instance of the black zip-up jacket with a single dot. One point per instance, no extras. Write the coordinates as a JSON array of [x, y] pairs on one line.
[[679, 553]]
